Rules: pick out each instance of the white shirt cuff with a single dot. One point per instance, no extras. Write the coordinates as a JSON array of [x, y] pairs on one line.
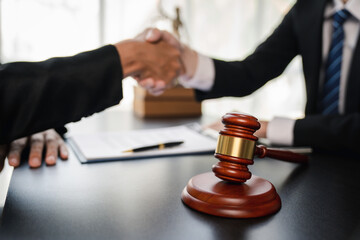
[[280, 131], [204, 76]]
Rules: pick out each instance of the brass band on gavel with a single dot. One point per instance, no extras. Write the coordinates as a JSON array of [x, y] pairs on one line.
[[235, 147]]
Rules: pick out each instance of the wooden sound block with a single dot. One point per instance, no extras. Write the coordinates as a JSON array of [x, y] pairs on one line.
[[255, 198]]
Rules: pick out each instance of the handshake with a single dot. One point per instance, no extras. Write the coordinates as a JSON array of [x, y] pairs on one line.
[[155, 59]]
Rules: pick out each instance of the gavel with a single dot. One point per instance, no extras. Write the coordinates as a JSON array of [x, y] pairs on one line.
[[231, 190], [236, 148]]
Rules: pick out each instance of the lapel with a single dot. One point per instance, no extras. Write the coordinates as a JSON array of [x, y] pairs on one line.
[[352, 101], [311, 33], [312, 55]]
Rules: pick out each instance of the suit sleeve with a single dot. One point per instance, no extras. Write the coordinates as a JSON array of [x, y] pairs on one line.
[[35, 96], [241, 78], [267, 62], [330, 133]]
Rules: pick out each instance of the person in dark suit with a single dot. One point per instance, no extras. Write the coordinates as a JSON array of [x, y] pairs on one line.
[[326, 34], [36, 96]]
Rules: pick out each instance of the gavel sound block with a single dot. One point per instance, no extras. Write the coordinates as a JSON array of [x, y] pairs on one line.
[[231, 191]]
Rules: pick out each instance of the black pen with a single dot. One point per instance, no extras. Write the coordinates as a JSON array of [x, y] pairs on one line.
[[158, 146]]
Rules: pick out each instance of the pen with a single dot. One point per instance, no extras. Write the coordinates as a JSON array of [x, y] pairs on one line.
[[158, 146]]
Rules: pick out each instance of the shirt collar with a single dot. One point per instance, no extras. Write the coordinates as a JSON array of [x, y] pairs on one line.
[[353, 6]]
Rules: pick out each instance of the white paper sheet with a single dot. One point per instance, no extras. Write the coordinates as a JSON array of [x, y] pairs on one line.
[[110, 145]]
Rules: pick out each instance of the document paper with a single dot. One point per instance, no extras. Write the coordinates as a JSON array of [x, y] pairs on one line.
[[111, 145]]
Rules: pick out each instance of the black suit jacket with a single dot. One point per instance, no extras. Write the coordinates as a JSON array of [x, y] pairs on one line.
[[35, 96], [300, 33]]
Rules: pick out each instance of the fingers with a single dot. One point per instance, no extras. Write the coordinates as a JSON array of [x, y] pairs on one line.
[[171, 39], [37, 142], [150, 83], [159, 85], [261, 133], [54, 146], [64, 153], [216, 125], [153, 35], [144, 60], [168, 65], [147, 83], [15, 150], [155, 88], [156, 93]]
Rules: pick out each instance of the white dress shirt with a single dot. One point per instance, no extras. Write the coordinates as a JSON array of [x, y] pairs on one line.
[[281, 130]]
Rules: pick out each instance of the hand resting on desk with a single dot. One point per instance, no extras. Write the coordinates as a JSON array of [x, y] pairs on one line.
[[48, 139]]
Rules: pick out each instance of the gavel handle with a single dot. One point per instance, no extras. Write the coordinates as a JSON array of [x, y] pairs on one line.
[[287, 156]]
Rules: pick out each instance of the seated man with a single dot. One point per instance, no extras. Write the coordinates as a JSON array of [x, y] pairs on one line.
[[326, 35], [36, 96]]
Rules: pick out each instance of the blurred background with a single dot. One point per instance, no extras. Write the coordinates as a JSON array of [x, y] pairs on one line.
[[34, 30]]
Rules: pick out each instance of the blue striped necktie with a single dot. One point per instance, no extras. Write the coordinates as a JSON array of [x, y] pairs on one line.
[[330, 94]]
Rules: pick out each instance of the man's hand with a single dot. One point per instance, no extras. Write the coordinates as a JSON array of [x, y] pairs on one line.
[[50, 139], [189, 58], [261, 133], [143, 60], [217, 126], [154, 35]]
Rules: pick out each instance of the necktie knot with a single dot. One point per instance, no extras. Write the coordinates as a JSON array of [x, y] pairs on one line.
[[341, 16]]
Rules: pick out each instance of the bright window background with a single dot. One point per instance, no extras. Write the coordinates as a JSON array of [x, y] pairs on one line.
[[34, 30]]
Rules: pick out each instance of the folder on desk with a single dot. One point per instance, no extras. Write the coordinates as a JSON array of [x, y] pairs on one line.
[[109, 146]]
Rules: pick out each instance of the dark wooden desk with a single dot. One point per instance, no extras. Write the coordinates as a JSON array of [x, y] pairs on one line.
[[141, 199]]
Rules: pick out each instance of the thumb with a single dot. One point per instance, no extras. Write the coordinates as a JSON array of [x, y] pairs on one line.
[[153, 35]]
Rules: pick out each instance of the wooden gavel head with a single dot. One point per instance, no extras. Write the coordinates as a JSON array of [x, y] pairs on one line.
[[236, 148]]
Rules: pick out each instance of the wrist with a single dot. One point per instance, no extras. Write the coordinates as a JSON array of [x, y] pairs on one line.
[[280, 131], [190, 61], [126, 50]]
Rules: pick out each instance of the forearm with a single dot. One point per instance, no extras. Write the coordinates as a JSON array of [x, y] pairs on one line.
[[268, 61], [328, 132], [231, 79], [42, 95]]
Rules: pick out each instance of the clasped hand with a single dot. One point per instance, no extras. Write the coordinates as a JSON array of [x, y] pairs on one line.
[[156, 59], [159, 61]]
